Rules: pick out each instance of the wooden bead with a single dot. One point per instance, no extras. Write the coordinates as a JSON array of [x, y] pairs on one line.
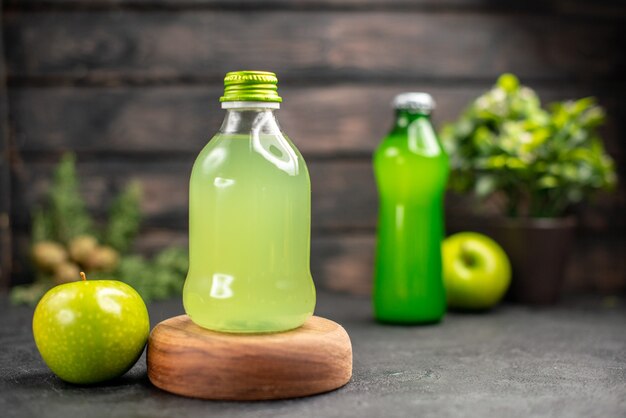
[[188, 360]]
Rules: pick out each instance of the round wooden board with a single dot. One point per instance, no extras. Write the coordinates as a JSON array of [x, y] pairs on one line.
[[188, 360]]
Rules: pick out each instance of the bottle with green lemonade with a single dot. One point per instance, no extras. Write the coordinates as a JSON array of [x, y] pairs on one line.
[[249, 218], [411, 170]]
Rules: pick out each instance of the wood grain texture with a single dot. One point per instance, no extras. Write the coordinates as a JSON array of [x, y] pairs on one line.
[[6, 253], [265, 4], [539, 5], [344, 195], [131, 85], [344, 261], [188, 360], [605, 9], [323, 121], [343, 192], [309, 45]]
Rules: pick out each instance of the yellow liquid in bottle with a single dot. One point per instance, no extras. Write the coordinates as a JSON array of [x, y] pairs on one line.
[[249, 236]]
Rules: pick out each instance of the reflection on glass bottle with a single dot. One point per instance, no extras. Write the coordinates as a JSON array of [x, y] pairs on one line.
[[411, 170], [220, 288], [249, 219]]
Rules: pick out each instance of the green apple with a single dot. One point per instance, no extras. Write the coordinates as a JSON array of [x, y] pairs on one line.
[[476, 271], [91, 331]]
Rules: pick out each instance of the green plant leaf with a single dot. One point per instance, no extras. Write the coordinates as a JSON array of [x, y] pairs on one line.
[[508, 82], [548, 182], [42, 228], [541, 160], [124, 219], [67, 211]]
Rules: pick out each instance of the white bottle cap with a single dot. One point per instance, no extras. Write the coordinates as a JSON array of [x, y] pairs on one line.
[[422, 102]]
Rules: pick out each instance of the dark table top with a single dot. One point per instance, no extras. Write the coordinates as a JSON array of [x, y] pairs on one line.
[[568, 360]]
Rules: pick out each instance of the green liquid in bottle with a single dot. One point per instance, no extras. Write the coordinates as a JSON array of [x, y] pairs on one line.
[[411, 171], [249, 229]]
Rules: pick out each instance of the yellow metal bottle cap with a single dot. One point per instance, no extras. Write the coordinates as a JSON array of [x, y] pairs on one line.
[[251, 86]]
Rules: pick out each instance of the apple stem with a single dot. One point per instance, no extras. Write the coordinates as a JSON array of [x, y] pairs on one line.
[[83, 276], [468, 259]]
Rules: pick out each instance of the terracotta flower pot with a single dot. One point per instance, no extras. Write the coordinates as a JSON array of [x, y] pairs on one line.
[[538, 250]]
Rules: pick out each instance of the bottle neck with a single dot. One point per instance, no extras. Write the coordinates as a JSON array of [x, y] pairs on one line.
[[404, 117], [246, 117]]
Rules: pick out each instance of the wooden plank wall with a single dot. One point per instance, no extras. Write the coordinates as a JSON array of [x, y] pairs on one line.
[[132, 87], [6, 248]]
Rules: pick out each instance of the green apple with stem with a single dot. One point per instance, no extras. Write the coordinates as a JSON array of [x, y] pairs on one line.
[[476, 271], [91, 331]]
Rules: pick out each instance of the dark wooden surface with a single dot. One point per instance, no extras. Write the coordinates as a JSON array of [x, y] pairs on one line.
[[132, 86], [564, 361]]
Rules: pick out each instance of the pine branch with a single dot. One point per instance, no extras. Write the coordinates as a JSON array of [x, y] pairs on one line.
[[124, 219], [69, 216]]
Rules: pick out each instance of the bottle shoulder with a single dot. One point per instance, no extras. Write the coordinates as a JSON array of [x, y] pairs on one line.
[[420, 142], [249, 153]]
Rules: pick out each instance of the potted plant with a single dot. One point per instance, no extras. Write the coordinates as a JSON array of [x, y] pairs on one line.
[[530, 166]]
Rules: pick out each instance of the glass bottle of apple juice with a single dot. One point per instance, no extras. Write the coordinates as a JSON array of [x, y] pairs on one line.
[[249, 218], [411, 171]]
